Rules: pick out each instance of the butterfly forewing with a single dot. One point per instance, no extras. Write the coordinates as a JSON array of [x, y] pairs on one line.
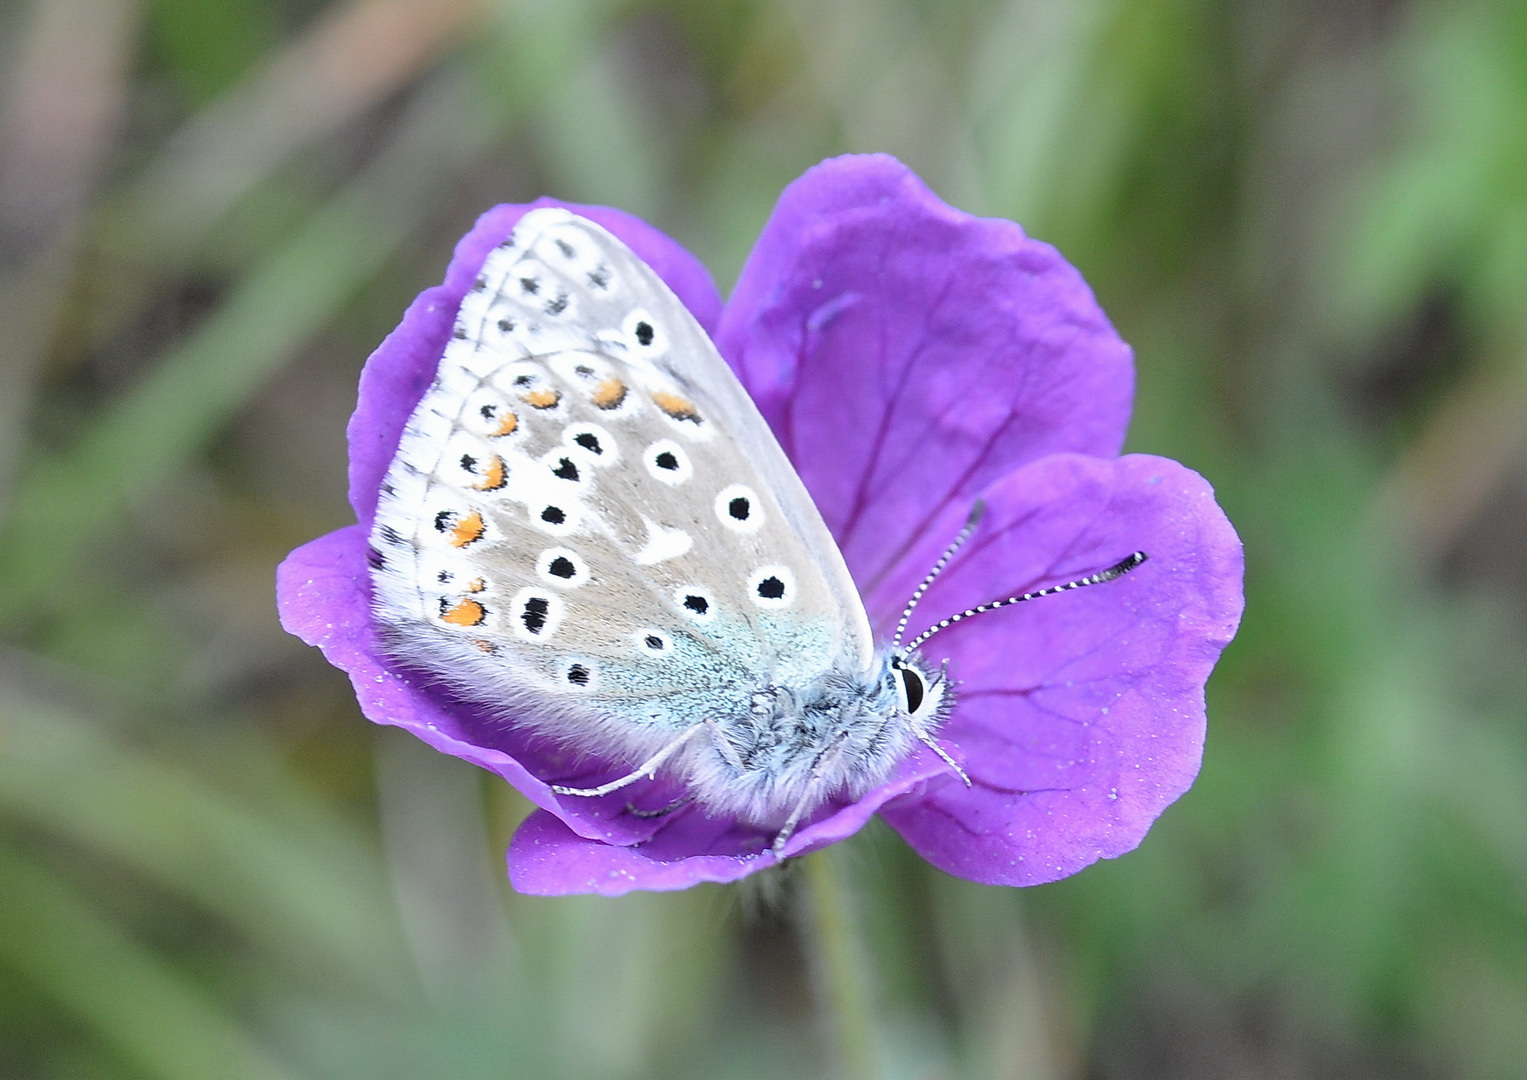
[[588, 523]]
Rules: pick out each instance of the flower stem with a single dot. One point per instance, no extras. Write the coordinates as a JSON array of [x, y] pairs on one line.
[[838, 965]]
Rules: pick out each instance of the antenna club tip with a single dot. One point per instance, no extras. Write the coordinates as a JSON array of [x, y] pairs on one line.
[[977, 512], [1128, 563], [1123, 566]]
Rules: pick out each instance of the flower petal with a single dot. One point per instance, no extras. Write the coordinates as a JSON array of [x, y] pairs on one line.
[[547, 858], [1080, 717], [908, 354], [910, 357], [401, 368]]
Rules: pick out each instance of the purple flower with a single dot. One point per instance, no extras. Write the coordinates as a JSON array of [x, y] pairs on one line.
[[911, 359]]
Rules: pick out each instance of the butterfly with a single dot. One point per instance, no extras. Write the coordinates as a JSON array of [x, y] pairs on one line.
[[589, 527]]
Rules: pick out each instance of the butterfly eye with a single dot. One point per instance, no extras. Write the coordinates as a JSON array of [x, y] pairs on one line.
[[910, 683], [666, 461], [772, 586], [737, 508]]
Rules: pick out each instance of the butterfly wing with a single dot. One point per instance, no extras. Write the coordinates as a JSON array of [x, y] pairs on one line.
[[588, 523]]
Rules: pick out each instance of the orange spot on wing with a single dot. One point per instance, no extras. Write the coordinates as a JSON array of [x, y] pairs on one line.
[[677, 407], [477, 585], [494, 475], [541, 399], [609, 393], [463, 613], [467, 530], [507, 425]]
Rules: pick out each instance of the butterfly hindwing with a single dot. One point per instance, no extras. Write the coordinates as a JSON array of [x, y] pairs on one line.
[[588, 522]]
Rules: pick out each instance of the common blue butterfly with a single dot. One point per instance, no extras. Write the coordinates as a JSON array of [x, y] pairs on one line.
[[589, 527]]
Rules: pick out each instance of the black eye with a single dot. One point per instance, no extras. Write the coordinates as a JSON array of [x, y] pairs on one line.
[[911, 688], [698, 604], [553, 515], [771, 588], [566, 470], [666, 460], [589, 442], [562, 567], [644, 333], [654, 642], [578, 675]]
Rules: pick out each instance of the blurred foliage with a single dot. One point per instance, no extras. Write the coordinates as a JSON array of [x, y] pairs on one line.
[[1310, 220]]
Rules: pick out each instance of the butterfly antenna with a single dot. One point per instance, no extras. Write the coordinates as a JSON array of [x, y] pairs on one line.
[[1117, 570], [938, 568]]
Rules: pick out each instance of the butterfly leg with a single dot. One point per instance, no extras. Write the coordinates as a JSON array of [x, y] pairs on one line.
[[662, 811], [931, 743], [922, 733], [825, 760], [645, 770], [723, 744]]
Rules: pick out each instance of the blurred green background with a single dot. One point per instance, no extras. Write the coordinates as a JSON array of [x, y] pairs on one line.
[[1309, 219]]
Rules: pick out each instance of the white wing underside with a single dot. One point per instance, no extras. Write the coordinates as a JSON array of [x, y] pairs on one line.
[[588, 525]]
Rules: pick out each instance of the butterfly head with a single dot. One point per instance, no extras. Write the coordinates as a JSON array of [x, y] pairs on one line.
[[920, 692]]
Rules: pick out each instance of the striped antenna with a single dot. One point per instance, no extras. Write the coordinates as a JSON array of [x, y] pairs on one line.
[[938, 568], [1119, 569]]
